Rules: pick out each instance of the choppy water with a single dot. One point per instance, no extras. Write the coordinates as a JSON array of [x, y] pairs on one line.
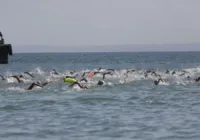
[[126, 107]]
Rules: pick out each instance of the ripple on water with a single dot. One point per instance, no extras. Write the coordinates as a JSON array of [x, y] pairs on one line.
[[132, 108]]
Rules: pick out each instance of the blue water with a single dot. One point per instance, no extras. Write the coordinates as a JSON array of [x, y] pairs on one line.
[[125, 108]]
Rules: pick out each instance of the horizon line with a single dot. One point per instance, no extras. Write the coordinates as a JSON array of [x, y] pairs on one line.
[[89, 45], [114, 52]]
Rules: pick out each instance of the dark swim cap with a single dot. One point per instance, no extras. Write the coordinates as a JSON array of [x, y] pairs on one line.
[[100, 83]]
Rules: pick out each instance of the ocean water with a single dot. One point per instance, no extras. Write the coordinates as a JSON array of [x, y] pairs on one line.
[[126, 107]]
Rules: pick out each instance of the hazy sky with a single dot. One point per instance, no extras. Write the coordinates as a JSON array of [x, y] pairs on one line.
[[81, 23]]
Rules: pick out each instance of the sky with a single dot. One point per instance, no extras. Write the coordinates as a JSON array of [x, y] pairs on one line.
[[100, 25]]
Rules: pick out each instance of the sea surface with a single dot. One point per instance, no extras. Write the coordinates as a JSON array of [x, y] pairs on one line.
[[126, 107]]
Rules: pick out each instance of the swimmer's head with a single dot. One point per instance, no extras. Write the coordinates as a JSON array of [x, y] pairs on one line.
[[156, 82], [100, 83], [38, 82], [72, 72], [188, 77], [21, 76], [174, 72]]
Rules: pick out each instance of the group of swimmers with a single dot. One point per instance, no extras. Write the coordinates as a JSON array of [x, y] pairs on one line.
[[76, 78], [183, 74]]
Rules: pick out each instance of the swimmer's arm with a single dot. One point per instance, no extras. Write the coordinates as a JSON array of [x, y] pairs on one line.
[[96, 72], [32, 85], [111, 70], [29, 74], [83, 87], [44, 84], [161, 80], [83, 74], [83, 79], [56, 73], [38, 85], [99, 69], [197, 79], [19, 81], [2, 77], [105, 74]]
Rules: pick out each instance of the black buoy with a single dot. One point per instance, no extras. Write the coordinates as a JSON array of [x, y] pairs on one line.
[[5, 50]]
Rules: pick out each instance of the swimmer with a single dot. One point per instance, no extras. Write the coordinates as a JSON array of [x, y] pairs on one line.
[[76, 75], [198, 79], [3, 78], [55, 72], [128, 71], [99, 69], [185, 71], [158, 75], [167, 72], [83, 75], [145, 74], [126, 75], [188, 78], [83, 79], [104, 75], [19, 80], [148, 71], [100, 83], [72, 72], [38, 84], [28, 73], [77, 83], [154, 73], [156, 82], [174, 72], [111, 70], [182, 74], [97, 73]]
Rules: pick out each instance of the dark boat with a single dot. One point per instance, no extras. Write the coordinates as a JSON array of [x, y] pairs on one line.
[[5, 50]]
